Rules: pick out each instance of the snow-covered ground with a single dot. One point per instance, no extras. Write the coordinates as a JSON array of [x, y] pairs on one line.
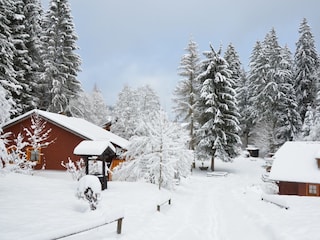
[[44, 206]]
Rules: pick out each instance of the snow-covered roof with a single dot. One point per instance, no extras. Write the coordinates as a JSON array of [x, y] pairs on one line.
[[78, 126], [296, 162], [94, 148]]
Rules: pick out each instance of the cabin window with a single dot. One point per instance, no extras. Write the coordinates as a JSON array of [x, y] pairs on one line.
[[313, 189], [34, 154]]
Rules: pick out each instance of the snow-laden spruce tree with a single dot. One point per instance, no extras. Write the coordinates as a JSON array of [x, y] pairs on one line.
[[311, 125], [186, 93], [218, 111], [288, 118], [7, 72], [308, 123], [157, 153], [148, 100], [310, 130], [234, 63], [306, 64], [99, 110], [240, 81], [245, 109], [271, 95], [132, 106], [125, 113], [91, 107], [32, 26], [61, 63], [22, 60], [6, 106]]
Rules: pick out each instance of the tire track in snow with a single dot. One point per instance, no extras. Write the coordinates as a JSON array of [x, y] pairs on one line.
[[200, 219], [242, 222]]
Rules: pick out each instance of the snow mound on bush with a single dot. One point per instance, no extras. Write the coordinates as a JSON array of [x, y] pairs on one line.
[[89, 188]]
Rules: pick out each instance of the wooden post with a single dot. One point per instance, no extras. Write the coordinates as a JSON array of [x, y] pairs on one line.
[[104, 181], [87, 164], [158, 206], [119, 225], [318, 161]]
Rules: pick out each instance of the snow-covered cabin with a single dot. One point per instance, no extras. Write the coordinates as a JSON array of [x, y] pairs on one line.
[[66, 133], [295, 168]]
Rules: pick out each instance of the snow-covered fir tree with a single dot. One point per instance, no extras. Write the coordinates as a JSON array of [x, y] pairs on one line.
[[61, 63], [186, 92], [21, 58], [6, 109], [245, 109], [125, 113], [148, 100], [158, 153], [306, 64], [7, 72], [234, 63], [240, 81], [32, 22], [218, 118], [271, 94], [311, 125], [99, 110], [133, 105], [255, 76], [316, 124], [308, 122], [8, 84], [6, 106], [289, 120]]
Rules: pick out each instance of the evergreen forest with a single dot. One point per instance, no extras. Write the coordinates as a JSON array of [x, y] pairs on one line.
[[223, 106]]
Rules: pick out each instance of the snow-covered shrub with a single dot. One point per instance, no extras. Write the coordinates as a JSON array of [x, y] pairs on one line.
[[89, 189], [13, 156], [3, 151], [156, 153], [38, 135], [15, 159], [77, 169]]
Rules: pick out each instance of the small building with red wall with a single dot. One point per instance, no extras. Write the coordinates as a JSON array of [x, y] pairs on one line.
[[296, 168], [66, 133]]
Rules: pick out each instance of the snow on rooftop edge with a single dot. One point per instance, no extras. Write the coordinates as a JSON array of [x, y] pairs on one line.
[[86, 128], [78, 125], [296, 162], [95, 148]]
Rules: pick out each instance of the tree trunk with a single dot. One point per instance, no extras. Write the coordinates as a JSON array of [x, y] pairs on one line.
[[212, 162], [246, 138], [160, 173]]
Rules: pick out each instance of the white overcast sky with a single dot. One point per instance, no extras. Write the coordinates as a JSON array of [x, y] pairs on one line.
[[138, 42]]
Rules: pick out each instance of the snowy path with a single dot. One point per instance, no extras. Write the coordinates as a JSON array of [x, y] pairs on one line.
[[199, 218], [213, 209], [203, 208], [223, 208]]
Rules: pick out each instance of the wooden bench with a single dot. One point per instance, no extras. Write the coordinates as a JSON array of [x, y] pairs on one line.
[[119, 227], [217, 174], [272, 199], [162, 203]]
